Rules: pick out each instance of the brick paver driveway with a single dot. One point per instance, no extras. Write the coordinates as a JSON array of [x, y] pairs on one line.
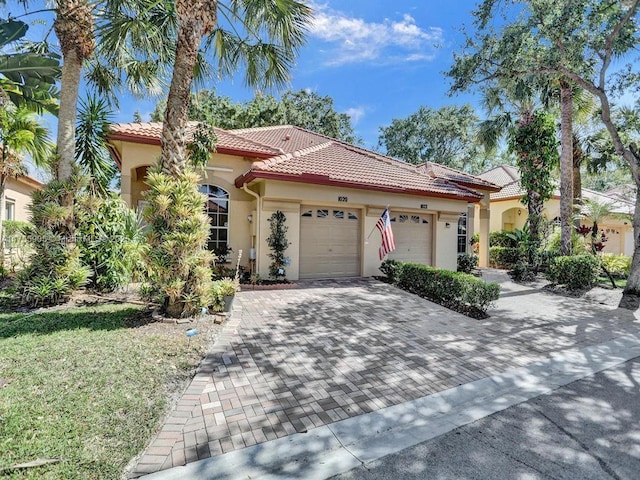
[[292, 360]]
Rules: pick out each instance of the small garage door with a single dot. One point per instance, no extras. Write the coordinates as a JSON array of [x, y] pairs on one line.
[[329, 242], [413, 235]]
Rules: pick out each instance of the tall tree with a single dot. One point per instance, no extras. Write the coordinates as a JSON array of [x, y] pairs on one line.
[[20, 134], [566, 167], [275, 31], [445, 136], [576, 40]]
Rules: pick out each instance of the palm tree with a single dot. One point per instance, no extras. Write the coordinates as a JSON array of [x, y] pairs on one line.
[[94, 118], [20, 133], [267, 61]]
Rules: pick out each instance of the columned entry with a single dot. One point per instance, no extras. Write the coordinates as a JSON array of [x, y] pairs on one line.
[[330, 242]]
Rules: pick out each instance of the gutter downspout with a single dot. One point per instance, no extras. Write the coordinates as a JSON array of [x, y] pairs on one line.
[[258, 214]]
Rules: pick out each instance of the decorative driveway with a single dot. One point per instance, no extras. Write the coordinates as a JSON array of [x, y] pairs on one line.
[[292, 360]]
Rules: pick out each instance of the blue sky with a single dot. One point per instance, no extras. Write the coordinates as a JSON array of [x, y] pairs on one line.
[[378, 60]]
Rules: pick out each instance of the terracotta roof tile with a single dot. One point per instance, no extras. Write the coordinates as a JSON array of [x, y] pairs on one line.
[[286, 138], [338, 163], [227, 140], [457, 176]]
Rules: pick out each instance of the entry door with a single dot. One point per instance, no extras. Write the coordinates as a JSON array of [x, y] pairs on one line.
[[329, 242]]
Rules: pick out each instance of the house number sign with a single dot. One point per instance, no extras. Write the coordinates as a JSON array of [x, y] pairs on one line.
[[424, 205], [343, 199]]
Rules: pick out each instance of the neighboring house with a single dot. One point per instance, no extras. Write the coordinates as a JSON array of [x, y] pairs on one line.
[[508, 212], [18, 197], [332, 194]]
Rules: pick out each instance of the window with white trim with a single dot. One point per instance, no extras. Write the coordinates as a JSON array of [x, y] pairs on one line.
[[9, 209], [462, 234], [217, 207]]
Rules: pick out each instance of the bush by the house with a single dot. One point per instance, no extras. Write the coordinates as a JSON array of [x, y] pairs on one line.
[[503, 257], [459, 291], [110, 240], [616, 265], [576, 271], [15, 245], [55, 269], [467, 262], [278, 244], [391, 269], [502, 238]]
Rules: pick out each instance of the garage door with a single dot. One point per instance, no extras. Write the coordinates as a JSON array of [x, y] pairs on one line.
[[413, 236], [329, 242]]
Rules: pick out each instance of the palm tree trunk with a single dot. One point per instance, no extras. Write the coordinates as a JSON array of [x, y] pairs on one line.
[[69, 85], [566, 167], [195, 20]]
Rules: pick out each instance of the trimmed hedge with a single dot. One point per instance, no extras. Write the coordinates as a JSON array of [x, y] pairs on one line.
[[458, 291], [503, 257], [467, 262], [576, 271]]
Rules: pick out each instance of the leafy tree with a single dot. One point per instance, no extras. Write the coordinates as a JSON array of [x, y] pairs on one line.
[[446, 136], [578, 41], [533, 140], [274, 32], [94, 118], [302, 108]]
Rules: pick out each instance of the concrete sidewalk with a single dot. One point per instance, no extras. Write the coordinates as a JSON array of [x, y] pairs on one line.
[[341, 357]]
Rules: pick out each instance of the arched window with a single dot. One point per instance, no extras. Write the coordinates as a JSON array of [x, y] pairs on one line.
[[217, 207]]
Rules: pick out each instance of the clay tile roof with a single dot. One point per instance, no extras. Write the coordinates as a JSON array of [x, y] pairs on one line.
[[501, 175], [335, 163], [463, 178], [227, 142], [286, 138]]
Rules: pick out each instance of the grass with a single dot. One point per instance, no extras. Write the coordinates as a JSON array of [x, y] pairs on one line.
[[620, 282], [87, 386]]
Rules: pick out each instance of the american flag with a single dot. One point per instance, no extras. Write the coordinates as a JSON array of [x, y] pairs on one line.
[[384, 225]]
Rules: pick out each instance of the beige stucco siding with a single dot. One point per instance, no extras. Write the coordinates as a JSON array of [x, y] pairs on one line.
[[20, 194]]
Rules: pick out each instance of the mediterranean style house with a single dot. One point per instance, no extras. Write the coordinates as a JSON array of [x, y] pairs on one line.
[[17, 197], [331, 192], [508, 212]]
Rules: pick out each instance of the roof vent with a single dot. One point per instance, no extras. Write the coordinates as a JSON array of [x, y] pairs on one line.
[[287, 138]]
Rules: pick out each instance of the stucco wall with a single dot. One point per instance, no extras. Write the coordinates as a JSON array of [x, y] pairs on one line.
[[20, 194]]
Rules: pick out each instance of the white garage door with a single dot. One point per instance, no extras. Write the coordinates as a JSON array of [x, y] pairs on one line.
[[329, 242], [413, 236]]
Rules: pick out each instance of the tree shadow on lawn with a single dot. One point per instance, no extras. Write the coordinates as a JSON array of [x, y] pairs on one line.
[[104, 317]]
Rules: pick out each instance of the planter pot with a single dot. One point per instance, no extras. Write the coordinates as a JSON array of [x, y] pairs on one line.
[[228, 302]]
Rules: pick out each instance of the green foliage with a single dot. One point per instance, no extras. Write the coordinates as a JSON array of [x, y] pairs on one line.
[[576, 271], [455, 290], [578, 244], [55, 268], [178, 229], [446, 135], [202, 145], [110, 240], [303, 109], [391, 269], [15, 244], [278, 244], [503, 257], [92, 128], [467, 262], [502, 238], [616, 265], [225, 287]]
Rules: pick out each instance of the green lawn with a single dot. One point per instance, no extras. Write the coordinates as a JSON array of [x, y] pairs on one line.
[[87, 386], [620, 282]]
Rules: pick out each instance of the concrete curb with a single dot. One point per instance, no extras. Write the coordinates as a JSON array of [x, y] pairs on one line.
[[332, 449]]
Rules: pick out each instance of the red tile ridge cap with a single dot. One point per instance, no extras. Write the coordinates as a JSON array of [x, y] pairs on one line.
[[288, 156]]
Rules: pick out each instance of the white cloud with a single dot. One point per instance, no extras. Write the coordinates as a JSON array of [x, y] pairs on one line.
[[354, 40], [356, 113]]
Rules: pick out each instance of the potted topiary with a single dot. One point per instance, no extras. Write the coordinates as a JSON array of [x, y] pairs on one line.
[[225, 290]]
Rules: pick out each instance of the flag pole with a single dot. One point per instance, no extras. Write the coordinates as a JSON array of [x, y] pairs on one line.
[[374, 227]]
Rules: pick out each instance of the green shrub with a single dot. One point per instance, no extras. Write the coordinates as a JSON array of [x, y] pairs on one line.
[[110, 240], [575, 271], [616, 265], [391, 269], [55, 269], [178, 229], [16, 246], [503, 257], [502, 238], [278, 244], [455, 290], [578, 245], [467, 262]]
